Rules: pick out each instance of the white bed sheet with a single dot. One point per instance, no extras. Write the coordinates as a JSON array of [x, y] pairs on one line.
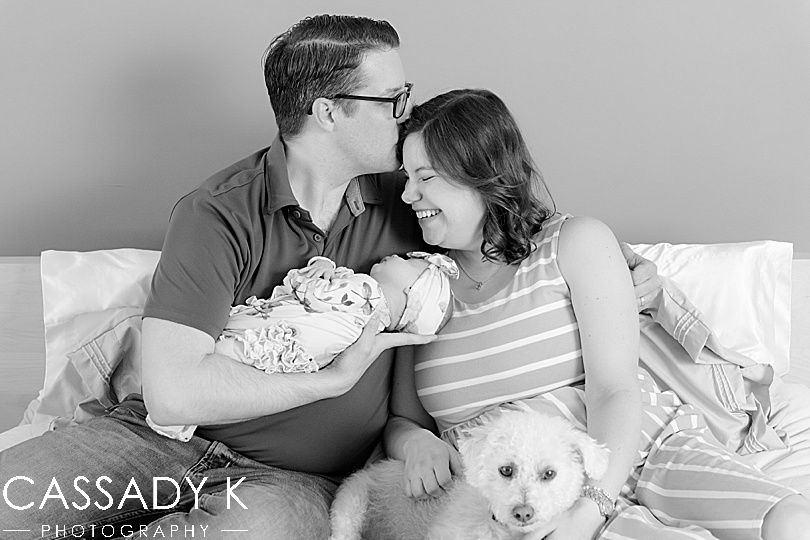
[[791, 406], [791, 415]]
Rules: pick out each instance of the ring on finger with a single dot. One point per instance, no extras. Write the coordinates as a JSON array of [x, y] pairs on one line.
[[642, 300]]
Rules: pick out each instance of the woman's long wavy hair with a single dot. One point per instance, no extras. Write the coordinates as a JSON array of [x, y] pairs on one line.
[[471, 138]]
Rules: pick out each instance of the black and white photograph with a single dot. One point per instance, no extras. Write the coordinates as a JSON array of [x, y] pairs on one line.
[[424, 270]]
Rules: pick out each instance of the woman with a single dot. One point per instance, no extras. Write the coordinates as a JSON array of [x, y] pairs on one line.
[[544, 305]]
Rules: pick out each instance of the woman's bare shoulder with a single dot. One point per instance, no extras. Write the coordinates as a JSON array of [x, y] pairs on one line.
[[583, 233]]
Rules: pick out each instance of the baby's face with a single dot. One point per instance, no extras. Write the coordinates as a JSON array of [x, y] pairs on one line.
[[395, 275]]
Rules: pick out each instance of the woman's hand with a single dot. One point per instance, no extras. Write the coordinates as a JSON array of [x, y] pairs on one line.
[[580, 522], [646, 283], [430, 464]]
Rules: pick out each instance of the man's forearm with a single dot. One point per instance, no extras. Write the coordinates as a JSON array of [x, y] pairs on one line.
[[220, 390], [184, 382]]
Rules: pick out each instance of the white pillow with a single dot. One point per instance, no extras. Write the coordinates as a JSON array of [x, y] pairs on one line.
[[75, 283], [743, 289]]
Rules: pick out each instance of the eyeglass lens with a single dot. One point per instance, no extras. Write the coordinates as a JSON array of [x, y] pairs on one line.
[[402, 102]]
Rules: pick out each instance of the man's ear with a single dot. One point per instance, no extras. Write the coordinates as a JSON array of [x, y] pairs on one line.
[[323, 113]]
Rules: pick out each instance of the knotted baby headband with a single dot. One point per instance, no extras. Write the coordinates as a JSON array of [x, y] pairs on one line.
[[429, 299]]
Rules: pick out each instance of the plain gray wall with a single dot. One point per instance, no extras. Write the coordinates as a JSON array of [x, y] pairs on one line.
[[678, 122]]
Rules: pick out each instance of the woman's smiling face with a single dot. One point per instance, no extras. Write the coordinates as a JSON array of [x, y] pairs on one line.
[[451, 215]]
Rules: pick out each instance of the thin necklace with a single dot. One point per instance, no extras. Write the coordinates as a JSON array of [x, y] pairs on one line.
[[478, 284]]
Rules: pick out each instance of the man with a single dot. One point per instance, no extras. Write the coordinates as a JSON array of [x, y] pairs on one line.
[[270, 448]]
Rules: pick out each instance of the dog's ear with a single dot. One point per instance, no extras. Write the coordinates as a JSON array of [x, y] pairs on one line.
[[472, 444], [595, 456], [475, 448]]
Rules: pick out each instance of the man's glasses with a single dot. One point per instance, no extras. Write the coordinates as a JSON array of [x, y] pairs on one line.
[[399, 101]]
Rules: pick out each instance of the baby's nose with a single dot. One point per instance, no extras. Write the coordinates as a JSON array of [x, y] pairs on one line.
[[523, 513]]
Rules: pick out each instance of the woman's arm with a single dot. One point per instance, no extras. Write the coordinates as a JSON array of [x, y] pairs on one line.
[[602, 295], [410, 435]]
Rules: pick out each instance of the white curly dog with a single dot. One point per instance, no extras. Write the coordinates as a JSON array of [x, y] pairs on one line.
[[520, 470]]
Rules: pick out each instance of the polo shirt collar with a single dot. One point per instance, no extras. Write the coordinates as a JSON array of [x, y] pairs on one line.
[[275, 173], [369, 189], [361, 190]]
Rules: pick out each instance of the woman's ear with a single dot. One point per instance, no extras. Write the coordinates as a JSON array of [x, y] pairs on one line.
[[323, 113]]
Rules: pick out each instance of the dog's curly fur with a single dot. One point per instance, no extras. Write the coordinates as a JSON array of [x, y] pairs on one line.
[[520, 470]]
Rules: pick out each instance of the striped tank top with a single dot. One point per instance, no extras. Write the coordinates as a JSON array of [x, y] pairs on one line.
[[522, 342]]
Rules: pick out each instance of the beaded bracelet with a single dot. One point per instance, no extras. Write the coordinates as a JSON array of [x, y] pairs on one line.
[[603, 500]]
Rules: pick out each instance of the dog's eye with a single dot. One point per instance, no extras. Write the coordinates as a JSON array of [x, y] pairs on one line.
[[506, 471], [549, 474]]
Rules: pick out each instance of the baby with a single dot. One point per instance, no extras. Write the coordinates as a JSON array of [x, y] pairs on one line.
[[321, 309]]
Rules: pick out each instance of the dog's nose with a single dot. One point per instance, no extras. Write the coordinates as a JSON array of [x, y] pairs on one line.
[[523, 513]]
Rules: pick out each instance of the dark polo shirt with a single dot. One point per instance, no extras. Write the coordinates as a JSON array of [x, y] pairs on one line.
[[236, 236]]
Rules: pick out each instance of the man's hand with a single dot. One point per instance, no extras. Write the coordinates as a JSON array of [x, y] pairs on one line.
[[646, 283], [352, 363]]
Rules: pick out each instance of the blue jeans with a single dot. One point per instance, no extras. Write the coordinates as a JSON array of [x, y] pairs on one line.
[[93, 479]]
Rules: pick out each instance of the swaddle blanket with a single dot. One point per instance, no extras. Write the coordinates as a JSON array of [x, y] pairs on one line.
[[306, 321]]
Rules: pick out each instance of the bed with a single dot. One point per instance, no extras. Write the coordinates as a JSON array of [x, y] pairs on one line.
[[51, 303]]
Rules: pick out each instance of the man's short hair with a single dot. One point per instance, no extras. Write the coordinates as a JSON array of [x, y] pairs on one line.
[[319, 57]]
